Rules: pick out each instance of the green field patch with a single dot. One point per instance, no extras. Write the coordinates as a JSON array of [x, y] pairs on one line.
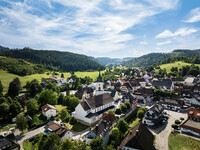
[[181, 142], [178, 64]]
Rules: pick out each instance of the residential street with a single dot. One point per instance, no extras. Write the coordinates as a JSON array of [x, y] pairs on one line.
[[22, 138], [162, 133]]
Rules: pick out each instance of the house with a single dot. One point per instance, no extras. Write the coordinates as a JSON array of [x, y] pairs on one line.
[[143, 94], [138, 138], [173, 104], [190, 81], [164, 85], [48, 111], [115, 95], [52, 127], [134, 84], [147, 78], [121, 81], [84, 92], [192, 124], [60, 81], [142, 82], [8, 143], [102, 129], [91, 109], [177, 80], [154, 115]]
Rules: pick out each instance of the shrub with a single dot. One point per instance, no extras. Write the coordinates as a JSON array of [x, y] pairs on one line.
[[73, 121], [177, 122], [182, 118], [140, 114], [118, 111]]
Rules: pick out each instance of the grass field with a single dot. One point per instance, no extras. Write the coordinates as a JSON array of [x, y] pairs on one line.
[[178, 64], [181, 142], [7, 77]]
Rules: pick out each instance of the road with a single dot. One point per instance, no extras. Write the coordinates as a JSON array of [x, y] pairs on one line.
[[162, 133], [22, 138]]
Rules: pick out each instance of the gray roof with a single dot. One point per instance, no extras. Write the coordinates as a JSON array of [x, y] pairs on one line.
[[165, 82], [99, 100]]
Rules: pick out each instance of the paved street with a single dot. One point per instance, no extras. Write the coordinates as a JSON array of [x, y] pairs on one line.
[[162, 133], [28, 135]]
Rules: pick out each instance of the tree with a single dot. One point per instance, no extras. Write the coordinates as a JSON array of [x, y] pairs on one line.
[[15, 108], [62, 75], [73, 121], [123, 108], [118, 111], [4, 110], [50, 143], [97, 143], [67, 144], [1, 89], [48, 97], [115, 137], [128, 105], [79, 145], [32, 106], [177, 122], [64, 114], [61, 99], [14, 87], [174, 126], [21, 122], [110, 111], [140, 114], [181, 118], [122, 125]]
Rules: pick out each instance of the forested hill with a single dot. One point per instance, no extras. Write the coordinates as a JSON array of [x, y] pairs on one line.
[[154, 58], [114, 61], [66, 61]]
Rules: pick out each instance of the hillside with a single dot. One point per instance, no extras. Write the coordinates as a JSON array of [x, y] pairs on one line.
[[178, 64], [7, 77], [20, 66], [65, 61], [154, 58], [114, 61]]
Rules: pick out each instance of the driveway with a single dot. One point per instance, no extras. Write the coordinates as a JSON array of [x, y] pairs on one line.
[[162, 133], [28, 135]]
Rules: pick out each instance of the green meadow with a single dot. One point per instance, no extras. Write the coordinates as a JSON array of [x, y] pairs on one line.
[[7, 77], [178, 64]]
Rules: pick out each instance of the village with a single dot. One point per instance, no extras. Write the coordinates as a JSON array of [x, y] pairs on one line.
[[136, 110]]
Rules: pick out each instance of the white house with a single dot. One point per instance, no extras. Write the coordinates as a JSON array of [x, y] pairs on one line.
[[48, 111], [91, 109]]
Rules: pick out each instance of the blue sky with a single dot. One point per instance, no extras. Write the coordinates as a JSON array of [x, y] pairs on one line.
[[110, 28]]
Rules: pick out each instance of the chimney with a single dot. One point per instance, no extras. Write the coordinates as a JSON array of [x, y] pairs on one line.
[[97, 126]]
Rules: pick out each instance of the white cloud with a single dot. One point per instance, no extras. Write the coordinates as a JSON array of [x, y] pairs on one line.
[[83, 26], [143, 43], [179, 32], [164, 43], [194, 16]]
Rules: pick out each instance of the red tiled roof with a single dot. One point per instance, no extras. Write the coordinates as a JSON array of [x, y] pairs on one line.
[[194, 113], [46, 107]]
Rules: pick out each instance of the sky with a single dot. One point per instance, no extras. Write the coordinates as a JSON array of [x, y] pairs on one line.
[[101, 28]]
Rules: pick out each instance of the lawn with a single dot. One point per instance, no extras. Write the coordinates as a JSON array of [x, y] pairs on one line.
[[7, 77], [5, 128], [60, 107], [27, 145], [77, 127], [135, 122], [181, 142], [178, 64]]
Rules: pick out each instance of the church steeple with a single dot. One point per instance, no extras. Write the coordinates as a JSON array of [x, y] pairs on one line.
[[99, 79]]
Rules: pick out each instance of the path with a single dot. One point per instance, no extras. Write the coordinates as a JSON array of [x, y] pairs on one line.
[[28, 135], [162, 133]]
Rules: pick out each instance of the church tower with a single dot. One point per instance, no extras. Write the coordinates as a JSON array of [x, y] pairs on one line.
[[99, 85]]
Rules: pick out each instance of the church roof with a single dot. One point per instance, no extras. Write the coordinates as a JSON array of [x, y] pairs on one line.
[[99, 79]]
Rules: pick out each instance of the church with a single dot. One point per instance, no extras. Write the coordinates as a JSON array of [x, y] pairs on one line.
[[91, 109]]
